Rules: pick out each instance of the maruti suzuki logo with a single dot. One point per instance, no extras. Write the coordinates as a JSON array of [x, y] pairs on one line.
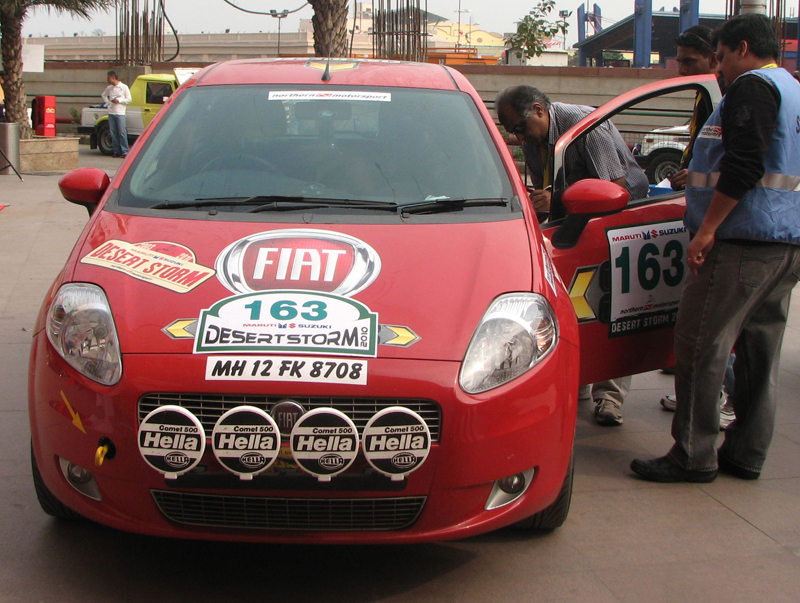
[[299, 259]]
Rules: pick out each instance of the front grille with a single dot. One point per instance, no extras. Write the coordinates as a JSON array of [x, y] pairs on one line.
[[208, 408], [317, 514]]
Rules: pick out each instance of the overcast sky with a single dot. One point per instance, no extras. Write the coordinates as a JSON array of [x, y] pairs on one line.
[[194, 16]]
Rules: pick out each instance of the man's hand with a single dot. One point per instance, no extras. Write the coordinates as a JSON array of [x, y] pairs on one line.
[[698, 249], [540, 198], [679, 179], [115, 101]]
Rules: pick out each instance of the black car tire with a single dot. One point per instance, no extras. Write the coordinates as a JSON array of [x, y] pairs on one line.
[[663, 164], [49, 503], [104, 141], [556, 514]]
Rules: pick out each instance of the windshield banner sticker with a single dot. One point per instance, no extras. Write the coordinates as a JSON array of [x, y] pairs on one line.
[[304, 95], [168, 265], [288, 321], [648, 269]]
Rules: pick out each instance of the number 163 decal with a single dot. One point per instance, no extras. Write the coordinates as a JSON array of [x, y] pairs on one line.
[[648, 268]]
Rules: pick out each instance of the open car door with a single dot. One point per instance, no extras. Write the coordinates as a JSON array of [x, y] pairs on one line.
[[624, 263]]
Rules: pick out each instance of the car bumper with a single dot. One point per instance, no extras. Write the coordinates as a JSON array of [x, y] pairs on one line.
[[526, 424]]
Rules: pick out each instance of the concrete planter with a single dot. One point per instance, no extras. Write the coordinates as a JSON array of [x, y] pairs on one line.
[[52, 154]]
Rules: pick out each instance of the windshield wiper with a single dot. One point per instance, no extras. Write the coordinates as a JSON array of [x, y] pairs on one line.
[[321, 203], [211, 201], [450, 204], [277, 203]]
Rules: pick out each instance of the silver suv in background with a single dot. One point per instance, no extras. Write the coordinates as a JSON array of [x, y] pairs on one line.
[[661, 150]]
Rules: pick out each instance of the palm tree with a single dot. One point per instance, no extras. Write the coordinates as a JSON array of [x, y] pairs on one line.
[[330, 27], [12, 15]]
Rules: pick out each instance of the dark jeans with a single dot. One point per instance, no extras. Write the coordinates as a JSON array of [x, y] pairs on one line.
[[119, 133], [741, 296]]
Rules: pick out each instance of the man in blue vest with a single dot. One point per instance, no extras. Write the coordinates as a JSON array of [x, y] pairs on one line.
[[743, 210]]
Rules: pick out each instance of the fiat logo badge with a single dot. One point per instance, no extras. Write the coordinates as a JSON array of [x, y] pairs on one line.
[[286, 413], [298, 259]]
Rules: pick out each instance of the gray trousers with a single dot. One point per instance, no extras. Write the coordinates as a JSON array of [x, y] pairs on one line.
[[613, 389], [740, 298]]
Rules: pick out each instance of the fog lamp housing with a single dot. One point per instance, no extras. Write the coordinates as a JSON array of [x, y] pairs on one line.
[[80, 478], [508, 489]]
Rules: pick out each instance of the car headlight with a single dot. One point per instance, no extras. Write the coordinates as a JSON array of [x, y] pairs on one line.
[[81, 328], [517, 331]]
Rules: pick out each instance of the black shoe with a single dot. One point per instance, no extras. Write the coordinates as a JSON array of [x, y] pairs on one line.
[[728, 467], [663, 469], [115, 156]]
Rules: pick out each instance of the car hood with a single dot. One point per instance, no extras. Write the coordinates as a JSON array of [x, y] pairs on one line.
[[428, 284]]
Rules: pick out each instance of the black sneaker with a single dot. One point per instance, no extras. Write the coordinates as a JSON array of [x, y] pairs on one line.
[[663, 469], [728, 467]]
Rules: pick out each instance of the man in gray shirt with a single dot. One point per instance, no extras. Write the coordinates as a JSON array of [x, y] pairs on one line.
[[528, 114]]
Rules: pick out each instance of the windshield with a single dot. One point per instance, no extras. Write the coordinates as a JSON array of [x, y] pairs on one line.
[[396, 146]]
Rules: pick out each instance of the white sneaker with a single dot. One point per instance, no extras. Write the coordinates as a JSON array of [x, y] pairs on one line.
[[670, 403], [726, 414], [608, 412]]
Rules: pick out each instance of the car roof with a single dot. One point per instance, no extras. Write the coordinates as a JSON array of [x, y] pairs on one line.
[[343, 72], [158, 77]]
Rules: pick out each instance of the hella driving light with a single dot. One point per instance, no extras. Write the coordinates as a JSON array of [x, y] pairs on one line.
[[517, 331], [81, 329]]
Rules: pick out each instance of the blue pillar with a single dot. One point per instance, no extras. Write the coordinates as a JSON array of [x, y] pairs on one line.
[[598, 19], [581, 35], [642, 32], [690, 14]]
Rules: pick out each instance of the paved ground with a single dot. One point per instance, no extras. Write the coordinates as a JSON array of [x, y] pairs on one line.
[[625, 539]]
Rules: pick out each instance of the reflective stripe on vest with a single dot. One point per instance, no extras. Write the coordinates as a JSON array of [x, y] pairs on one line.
[[781, 182]]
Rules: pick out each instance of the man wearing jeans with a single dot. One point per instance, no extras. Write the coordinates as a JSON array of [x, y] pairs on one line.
[[116, 96], [743, 209]]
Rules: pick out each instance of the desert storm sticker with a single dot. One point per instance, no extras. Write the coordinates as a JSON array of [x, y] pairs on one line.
[[168, 265], [303, 322]]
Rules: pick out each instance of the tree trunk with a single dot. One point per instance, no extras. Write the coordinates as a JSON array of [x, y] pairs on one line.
[[330, 27], [11, 18]]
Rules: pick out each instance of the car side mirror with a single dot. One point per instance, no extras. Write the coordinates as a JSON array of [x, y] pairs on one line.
[[594, 197], [84, 186], [584, 200]]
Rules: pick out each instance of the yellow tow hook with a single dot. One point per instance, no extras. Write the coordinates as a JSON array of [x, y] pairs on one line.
[[100, 455]]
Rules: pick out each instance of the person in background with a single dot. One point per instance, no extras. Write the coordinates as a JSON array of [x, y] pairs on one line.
[[116, 96], [743, 211], [528, 114], [695, 57]]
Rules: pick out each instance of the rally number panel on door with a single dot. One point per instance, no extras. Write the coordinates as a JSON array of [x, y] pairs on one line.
[[624, 278]]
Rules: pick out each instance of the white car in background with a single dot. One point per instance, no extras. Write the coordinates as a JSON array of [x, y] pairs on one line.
[[661, 150]]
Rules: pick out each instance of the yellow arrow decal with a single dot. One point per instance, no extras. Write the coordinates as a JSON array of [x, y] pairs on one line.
[[76, 419], [577, 293], [403, 336], [181, 329]]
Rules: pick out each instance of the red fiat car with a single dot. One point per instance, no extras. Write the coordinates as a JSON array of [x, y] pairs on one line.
[[315, 305]]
